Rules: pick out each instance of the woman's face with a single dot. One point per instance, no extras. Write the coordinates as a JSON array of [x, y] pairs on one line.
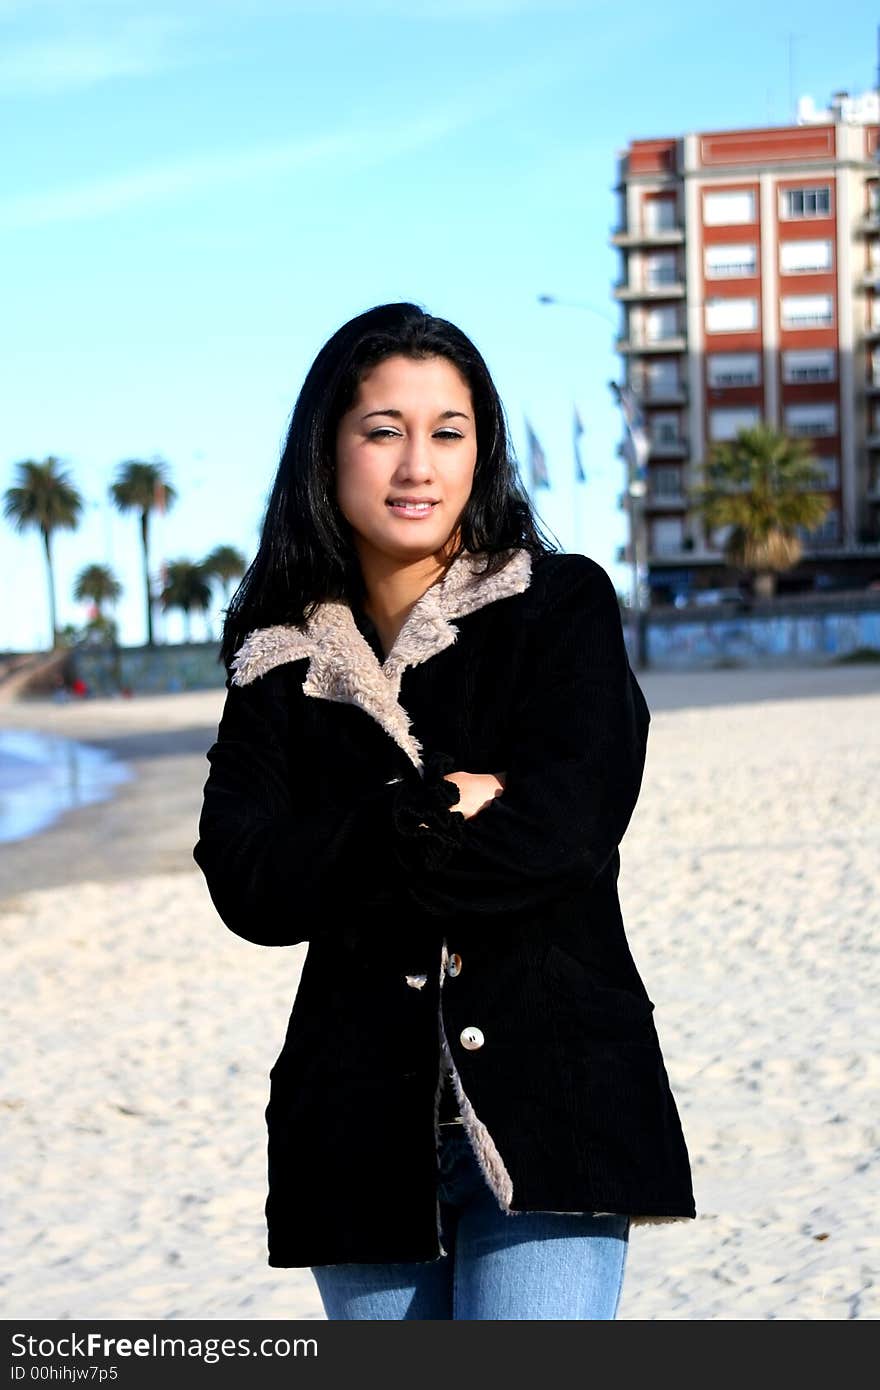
[[410, 435]]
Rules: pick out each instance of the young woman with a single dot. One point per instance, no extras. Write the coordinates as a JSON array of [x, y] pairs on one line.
[[431, 745]]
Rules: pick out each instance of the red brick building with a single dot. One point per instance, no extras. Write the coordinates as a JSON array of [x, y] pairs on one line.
[[750, 290]]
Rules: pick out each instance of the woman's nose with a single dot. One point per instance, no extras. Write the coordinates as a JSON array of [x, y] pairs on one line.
[[415, 455]]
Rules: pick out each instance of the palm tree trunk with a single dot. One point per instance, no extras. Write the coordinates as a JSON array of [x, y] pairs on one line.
[[48, 548], [765, 583], [145, 542]]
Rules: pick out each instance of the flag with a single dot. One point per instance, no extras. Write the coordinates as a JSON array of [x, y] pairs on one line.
[[637, 446], [579, 474], [537, 461]]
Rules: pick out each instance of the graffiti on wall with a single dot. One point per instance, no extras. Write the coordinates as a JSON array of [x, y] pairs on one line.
[[757, 640]]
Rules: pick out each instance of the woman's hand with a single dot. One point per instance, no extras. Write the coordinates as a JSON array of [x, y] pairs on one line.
[[477, 789]]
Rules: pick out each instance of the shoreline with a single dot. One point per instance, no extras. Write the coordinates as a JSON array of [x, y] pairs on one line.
[[163, 740]]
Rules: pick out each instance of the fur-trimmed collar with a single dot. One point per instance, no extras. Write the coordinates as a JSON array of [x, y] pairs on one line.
[[343, 665]]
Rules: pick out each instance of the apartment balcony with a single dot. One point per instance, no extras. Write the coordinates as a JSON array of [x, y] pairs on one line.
[[676, 552], [871, 279], [870, 225], [673, 395], [872, 387], [873, 440], [668, 448], [639, 344], [821, 545], [671, 289], [666, 501], [655, 502], [659, 236], [872, 333]]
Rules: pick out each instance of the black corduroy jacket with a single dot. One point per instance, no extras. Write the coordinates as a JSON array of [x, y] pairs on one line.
[[492, 948]]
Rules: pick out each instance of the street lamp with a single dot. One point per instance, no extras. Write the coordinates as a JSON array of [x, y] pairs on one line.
[[576, 304]]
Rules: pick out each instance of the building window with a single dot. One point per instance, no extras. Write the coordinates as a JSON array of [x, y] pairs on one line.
[[719, 535], [826, 533], [800, 257], [661, 323], [813, 418], [806, 202], [726, 424], [659, 214], [829, 468], [661, 269], [732, 208], [665, 483], [733, 369], [731, 315], [664, 428], [725, 262], [809, 364], [662, 378], [807, 311], [667, 534]]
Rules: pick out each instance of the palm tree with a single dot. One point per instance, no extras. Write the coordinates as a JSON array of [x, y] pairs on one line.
[[98, 584], [186, 587], [224, 564], [143, 487], [761, 485], [47, 499]]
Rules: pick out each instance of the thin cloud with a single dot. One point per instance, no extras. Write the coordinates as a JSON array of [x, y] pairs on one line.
[[139, 46], [76, 44], [105, 196], [358, 146]]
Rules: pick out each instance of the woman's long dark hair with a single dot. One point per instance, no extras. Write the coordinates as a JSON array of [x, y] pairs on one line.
[[306, 554]]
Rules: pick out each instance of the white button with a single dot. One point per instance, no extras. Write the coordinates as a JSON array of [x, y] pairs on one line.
[[471, 1038], [454, 966]]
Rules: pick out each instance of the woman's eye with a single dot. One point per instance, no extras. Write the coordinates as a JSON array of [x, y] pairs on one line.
[[385, 430]]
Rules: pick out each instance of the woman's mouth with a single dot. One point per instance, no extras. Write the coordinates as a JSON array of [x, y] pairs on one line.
[[412, 511]]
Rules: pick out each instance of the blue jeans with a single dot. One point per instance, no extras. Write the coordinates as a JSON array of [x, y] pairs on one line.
[[533, 1265]]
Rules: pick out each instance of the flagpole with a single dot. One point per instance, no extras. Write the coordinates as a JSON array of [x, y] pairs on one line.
[[635, 491], [580, 477]]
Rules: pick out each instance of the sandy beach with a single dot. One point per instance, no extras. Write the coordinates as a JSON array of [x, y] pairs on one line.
[[141, 1031]]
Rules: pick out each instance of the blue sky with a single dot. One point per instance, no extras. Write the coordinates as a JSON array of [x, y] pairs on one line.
[[196, 195]]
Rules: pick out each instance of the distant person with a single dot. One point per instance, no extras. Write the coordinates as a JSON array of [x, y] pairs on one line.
[[431, 745], [79, 687]]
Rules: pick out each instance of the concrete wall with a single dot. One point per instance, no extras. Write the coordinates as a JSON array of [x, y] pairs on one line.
[[802, 633], [784, 632], [157, 670]]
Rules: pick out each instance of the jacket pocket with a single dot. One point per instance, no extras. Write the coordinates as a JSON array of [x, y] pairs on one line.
[[597, 1009]]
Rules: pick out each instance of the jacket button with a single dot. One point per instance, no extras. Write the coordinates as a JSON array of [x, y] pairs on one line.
[[471, 1038], [453, 966]]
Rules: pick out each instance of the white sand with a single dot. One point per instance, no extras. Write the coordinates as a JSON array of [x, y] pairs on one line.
[[142, 1031]]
